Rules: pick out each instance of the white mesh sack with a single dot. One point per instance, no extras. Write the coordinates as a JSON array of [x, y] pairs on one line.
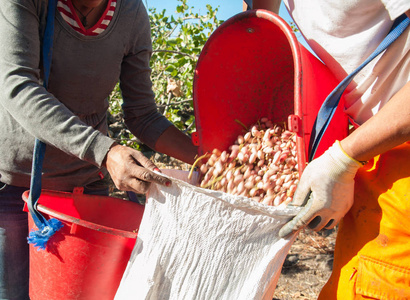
[[195, 243]]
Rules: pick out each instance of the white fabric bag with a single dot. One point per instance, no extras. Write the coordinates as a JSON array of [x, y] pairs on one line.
[[195, 243]]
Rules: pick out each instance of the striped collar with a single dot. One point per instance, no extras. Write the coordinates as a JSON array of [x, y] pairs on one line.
[[67, 11]]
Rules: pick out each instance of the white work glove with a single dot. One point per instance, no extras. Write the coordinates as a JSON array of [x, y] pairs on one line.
[[325, 191]]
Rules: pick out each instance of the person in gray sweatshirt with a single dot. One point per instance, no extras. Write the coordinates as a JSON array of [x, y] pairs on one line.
[[96, 44]]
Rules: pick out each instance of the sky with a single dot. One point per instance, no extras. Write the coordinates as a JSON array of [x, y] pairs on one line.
[[226, 9]]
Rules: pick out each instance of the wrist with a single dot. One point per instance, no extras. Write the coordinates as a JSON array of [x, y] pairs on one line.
[[343, 157], [104, 162], [357, 161]]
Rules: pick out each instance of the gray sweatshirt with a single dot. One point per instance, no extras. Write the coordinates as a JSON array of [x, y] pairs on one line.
[[71, 116]]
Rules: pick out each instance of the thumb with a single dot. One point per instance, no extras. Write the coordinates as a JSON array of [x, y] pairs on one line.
[[302, 193], [300, 220]]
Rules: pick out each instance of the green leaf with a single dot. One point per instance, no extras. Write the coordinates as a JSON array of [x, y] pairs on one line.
[[170, 68]]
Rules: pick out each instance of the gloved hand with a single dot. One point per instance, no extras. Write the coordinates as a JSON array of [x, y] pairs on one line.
[[130, 170], [325, 191]]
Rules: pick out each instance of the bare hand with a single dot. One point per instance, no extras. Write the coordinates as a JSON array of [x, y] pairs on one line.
[[130, 170]]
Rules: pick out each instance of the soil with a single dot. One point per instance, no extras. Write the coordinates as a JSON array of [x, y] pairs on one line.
[[308, 264]]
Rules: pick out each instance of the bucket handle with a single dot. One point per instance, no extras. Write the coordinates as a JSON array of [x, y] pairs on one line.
[[87, 224]]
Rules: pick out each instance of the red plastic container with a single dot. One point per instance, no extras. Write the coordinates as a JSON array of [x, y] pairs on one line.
[[86, 258], [253, 66]]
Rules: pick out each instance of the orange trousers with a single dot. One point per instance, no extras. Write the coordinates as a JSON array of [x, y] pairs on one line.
[[372, 252]]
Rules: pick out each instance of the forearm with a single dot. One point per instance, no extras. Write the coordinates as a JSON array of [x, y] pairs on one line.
[[23, 97], [387, 129], [175, 143]]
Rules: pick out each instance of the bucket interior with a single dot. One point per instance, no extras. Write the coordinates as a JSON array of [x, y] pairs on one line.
[[245, 72]]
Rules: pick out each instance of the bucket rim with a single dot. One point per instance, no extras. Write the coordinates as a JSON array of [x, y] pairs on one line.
[[70, 219]]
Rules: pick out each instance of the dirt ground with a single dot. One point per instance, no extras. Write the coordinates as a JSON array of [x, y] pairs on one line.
[[308, 264]]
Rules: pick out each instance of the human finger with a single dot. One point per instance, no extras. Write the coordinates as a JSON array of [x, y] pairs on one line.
[[145, 175], [298, 221], [302, 194], [144, 161]]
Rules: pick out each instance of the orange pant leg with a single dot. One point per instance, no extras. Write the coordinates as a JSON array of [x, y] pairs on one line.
[[372, 252]]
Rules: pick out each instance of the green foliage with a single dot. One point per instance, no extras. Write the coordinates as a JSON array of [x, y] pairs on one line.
[[177, 42], [294, 27], [115, 101]]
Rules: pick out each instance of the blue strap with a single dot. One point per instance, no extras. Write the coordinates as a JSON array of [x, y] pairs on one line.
[[35, 184], [48, 40], [46, 228], [249, 4], [329, 106]]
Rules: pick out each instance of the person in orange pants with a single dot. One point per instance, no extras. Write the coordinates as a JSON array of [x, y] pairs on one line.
[[372, 254], [371, 200]]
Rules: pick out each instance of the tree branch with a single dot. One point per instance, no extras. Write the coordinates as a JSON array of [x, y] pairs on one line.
[[176, 52], [174, 103]]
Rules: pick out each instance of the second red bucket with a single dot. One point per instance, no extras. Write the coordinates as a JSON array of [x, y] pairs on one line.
[[86, 258], [253, 66]]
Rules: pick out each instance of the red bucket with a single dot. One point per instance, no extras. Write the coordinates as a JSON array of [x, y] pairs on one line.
[[253, 66], [86, 258]]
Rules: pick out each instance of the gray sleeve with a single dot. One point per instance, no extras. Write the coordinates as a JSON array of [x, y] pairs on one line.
[[23, 96], [140, 111]]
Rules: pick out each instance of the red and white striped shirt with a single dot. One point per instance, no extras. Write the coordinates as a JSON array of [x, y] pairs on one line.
[[67, 11]]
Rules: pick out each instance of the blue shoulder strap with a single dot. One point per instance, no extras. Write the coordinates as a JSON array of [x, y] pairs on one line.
[[249, 4], [330, 104], [46, 228]]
